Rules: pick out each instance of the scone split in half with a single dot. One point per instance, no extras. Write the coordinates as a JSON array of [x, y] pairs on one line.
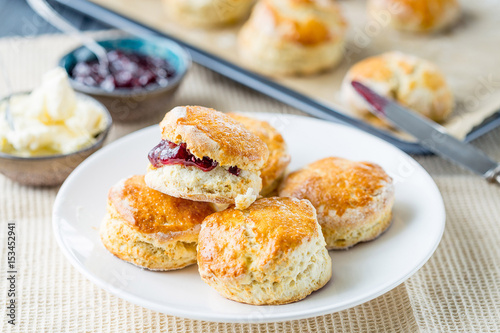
[[413, 82], [273, 252], [151, 229], [206, 155], [353, 200]]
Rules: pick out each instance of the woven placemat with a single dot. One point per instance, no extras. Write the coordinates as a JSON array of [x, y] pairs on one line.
[[456, 291]]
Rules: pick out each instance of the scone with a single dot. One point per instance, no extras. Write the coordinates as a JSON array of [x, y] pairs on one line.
[[275, 167], [353, 200], [207, 13], [151, 229], [416, 15], [271, 253], [411, 81], [292, 37], [205, 155]]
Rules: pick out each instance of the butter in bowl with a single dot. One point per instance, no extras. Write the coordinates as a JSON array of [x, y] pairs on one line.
[[54, 130]]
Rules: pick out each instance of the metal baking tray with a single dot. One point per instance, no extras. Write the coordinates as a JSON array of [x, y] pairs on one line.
[[260, 83]]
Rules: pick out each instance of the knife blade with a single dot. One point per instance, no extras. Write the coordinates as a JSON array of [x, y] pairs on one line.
[[430, 134]]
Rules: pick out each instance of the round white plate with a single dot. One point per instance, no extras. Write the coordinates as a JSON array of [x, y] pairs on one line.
[[360, 274]]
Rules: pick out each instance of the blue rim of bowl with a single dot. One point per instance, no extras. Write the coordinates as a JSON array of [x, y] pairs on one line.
[[172, 46], [99, 138]]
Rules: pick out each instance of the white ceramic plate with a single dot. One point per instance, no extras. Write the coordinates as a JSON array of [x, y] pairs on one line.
[[359, 274]]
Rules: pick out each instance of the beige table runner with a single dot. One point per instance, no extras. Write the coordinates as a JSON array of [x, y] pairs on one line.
[[458, 290]]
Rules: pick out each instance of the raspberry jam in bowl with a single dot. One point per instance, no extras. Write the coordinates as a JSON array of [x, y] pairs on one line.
[[140, 81], [127, 70]]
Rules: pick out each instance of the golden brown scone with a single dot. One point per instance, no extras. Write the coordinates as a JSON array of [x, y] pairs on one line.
[[353, 200], [413, 82], [271, 253], [292, 37], [416, 15], [232, 157], [207, 13], [273, 170], [151, 229]]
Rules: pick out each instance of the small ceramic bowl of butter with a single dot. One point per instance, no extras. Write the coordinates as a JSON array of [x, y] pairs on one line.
[[54, 130]]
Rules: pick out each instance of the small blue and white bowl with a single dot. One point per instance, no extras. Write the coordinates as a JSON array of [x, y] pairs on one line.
[[127, 105]]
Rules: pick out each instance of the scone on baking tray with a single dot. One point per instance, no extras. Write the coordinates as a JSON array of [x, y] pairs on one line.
[[273, 170], [416, 15], [292, 37], [207, 13], [205, 155], [273, 252], [151, 229], [353, 200], [411, 81]]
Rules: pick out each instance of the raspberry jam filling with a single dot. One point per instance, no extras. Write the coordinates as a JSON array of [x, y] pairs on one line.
[[234, 170], [167, 153]]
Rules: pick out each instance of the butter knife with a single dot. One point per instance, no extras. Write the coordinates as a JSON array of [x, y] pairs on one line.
[[431, 135]]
